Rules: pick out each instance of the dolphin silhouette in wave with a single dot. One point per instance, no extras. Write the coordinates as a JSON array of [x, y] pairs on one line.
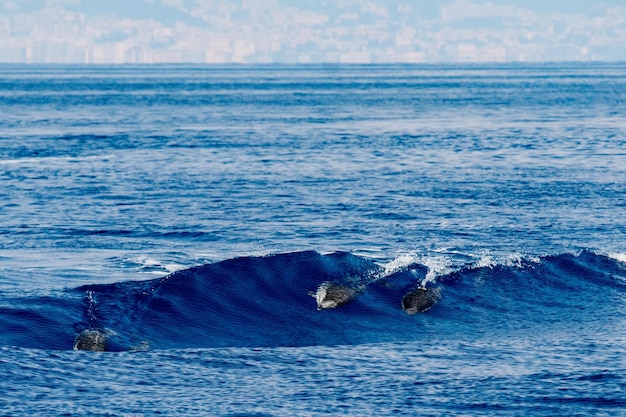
[[91, 339], [420, 299], [330, 295]]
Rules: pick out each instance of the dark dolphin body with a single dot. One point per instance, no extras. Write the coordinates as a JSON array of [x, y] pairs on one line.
[[329, 295], [91, 339], [420, 300]]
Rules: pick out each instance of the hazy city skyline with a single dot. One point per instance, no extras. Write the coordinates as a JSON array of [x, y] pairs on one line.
[[289, 31]]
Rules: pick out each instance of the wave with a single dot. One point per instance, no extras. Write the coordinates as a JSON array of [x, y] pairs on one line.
[[275, 301]]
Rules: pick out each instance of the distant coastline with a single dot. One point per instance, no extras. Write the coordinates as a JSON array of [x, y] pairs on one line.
[[155, 32]]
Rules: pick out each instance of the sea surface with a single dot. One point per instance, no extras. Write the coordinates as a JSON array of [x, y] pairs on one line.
[[191, 214]]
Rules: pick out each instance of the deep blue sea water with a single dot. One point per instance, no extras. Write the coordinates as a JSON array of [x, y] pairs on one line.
[[188, 211]]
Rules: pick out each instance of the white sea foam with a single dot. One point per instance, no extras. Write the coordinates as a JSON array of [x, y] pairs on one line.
[[440, 263], [514, 260], [486, 261], [395, 265], [437, 266], [154, 266], [621, 257]]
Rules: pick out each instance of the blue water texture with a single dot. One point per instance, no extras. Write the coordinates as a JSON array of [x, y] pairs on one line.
[[195, 215]]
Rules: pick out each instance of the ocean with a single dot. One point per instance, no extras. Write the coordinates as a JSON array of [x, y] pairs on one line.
[[200, 220]]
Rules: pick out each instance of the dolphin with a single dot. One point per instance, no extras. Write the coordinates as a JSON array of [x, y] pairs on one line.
[[420, 299], [91, 339], [329, 295]]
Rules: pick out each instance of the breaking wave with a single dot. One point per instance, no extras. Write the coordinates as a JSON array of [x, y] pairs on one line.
[[267, 301]]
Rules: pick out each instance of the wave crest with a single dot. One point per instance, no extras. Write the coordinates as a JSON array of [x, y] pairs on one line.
[[266, 301]]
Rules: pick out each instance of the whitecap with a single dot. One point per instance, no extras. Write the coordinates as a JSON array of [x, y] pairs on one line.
[[620, 257]]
